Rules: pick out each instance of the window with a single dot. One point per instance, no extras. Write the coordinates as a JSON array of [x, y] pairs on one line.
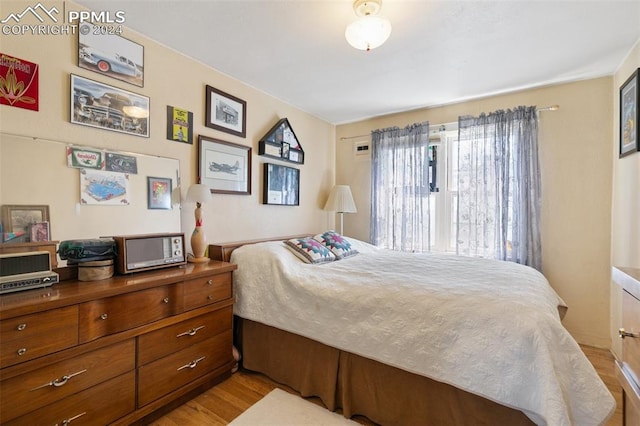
[[442, 202]]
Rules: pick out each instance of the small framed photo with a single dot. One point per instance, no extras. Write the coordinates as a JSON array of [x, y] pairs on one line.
[[630, 115], [159, 193], [285, 151], [281, 185], [19, 218], [224, 167], [40, 232], [225, 112], [179, 125]]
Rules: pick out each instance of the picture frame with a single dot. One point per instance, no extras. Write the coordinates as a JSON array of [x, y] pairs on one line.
[[18, 218], [40, 232], [179, 125], [630, 115], [224, 167], [225, 112], [281, 143], [159, 193], [107, 107], [108, 53], [281, 185]]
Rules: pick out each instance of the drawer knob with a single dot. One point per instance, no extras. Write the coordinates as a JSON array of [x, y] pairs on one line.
[[210, 297], [104, 316], [192, 364], [70, 419], [165, 300], [22, 351], [21, 327], [210, 282], [623, 333], [60, 381], [191, 332]]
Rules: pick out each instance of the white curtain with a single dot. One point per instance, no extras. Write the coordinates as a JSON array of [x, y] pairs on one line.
[[498, 187], [400, 188]]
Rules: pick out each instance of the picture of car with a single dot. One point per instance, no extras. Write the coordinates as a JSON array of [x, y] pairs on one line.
[[109, 62], [99, 105]]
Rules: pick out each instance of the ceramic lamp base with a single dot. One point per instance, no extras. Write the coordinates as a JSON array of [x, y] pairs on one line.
[[198, 259]]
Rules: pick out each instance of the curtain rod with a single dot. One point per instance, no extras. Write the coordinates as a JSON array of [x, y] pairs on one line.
[[547, 108]]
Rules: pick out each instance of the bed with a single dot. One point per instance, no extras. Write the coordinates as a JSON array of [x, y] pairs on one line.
[[408, 339]]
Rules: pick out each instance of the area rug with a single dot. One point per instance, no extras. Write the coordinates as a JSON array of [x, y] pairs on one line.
[[280, 408]]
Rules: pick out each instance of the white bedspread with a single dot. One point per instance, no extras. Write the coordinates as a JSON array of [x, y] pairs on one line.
[[488, 327]]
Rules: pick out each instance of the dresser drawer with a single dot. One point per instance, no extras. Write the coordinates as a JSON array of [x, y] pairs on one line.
[[203, 291], [31, 336], [98, 405], [159, 343], [170, 373], [110, 315], [37, 388]]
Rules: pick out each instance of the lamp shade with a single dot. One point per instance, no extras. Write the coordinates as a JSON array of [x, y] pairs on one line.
[[340, 200], [368, 32], [198, 193]]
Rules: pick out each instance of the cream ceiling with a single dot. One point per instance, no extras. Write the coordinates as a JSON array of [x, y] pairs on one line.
[[439, 52]]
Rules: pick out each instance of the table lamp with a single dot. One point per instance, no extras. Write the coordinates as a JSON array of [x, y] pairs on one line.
[[199, 194], [341, 201]]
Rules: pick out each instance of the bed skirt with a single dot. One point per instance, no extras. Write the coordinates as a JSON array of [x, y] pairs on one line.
[[359, 386]]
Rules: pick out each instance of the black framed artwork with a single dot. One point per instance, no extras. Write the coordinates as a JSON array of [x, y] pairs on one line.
[[281, 143], [629, 115], [224, 167], [281, 185], [225, 112]]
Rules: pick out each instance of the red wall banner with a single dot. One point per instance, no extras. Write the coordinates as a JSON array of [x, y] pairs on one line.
[[18, 82]]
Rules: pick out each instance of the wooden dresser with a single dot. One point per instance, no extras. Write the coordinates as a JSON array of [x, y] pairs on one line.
[[118, 351], [628, 368]]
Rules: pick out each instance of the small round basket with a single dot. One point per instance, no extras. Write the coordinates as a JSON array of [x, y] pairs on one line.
[[95, 271]]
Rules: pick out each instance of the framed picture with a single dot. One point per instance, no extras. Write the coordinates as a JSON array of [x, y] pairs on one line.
[[629, 115], [281, 185], [20, 218], [106, 107], [179, 125], [107, 53], [225, 112], [224, 167], [159, 193], [40, 232], [280, 142]]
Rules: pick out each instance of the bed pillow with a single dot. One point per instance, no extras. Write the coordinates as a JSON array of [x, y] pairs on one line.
[[310, 250], [335, 242]]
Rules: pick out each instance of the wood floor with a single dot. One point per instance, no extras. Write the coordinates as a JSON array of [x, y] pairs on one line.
[[226, 401]]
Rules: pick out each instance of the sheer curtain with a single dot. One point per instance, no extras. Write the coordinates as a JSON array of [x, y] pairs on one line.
[[400, 188], [498, 206]]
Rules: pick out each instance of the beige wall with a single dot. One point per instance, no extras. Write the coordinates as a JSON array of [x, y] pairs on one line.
[[575, 156], [172, 79], [625, 225]]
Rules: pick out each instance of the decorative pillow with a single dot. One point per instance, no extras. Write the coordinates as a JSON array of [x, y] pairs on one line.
[[336, 243], [310, 250]]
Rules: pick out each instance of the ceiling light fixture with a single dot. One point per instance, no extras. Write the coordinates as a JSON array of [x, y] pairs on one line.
[[368, 31]]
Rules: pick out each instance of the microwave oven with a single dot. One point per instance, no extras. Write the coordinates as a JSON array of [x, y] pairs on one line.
[[149, 251]]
